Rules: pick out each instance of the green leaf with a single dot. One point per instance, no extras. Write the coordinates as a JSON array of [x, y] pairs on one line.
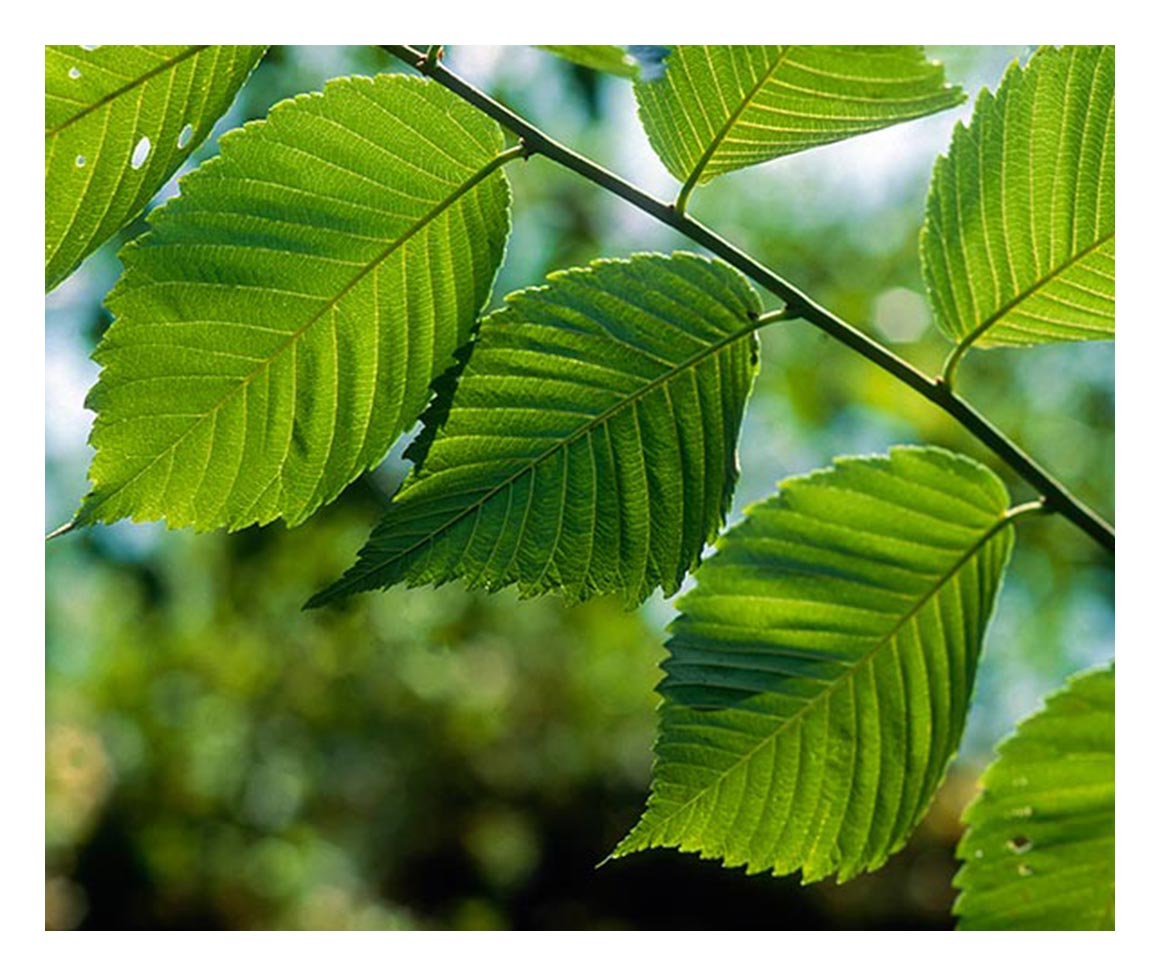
[[723, 107], [609, 58], [590, 446], [1019, 243], [280, 325], [1039, 850], [820, 669], [118, 122]]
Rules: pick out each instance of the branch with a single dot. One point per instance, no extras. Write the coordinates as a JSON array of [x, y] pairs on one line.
[[1056, 497]]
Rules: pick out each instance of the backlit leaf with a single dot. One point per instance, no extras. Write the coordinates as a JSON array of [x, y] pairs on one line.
[[820, 670], [609, 58], [590, 445], [720, 108], [280, 325], [1040, 847], [1019, 243], [118, 121]]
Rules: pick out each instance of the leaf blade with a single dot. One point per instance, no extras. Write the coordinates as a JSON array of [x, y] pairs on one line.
[[119, 121], [610, 58], [280, 325], [1018, 244], [1046, 814], [723, 107], [819, 672], [554, 466]]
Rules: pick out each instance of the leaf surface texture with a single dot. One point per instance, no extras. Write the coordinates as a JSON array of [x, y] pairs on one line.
[[590, 445], [720, 108], [1039, 850], [1018, 246], [118, 122], [820, 669], [609, 58], [280, 325]]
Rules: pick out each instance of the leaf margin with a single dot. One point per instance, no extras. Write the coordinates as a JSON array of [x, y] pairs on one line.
[[644, 836], [234, 143]]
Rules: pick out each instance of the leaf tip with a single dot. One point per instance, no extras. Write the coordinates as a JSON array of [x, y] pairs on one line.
[[327, 595]]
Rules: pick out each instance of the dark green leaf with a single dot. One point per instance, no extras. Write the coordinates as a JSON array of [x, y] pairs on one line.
[[820, 669], [590, 446]]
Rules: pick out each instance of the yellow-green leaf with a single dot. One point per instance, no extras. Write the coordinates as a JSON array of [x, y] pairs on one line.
[[609, 58], [1040, 847], [118, 121], [1019, 243], [722, 107], [281, 323]]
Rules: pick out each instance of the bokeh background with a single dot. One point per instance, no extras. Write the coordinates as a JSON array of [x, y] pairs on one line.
[[216, 758]]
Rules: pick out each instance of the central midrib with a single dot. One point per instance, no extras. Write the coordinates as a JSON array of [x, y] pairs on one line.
[[707, 155], [127, 87], [347, 583], [1028, 293], [882, 642], [329, 306]]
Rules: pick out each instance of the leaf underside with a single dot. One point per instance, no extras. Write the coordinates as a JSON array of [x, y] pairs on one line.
[[609, 58], [720, 108], [1018, 247], [590, 446], [1039, 850], [280, 325], [118, 122], [820, 670]]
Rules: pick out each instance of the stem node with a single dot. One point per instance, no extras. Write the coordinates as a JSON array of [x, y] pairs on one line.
[[429, 61], [798, 305]]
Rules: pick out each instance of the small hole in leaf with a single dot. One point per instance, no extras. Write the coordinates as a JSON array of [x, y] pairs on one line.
[[1019, 845], [1025, 870], [74, 73], [140, 153], [89, 47], [184, 136], [80, 160]]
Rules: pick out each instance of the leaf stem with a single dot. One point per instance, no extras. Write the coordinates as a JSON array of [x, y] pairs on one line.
[[62, 530], [777, 315], [948, 370], [1056, 497], [434, 53], [1038, 507]]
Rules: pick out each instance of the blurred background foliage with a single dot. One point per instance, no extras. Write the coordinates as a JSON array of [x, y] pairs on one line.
[[216, 758]]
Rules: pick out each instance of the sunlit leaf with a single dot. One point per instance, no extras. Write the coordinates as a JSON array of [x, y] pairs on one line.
[[1040, 847], [720, 108], [280, 325], [609, 58], [1019, 243], [821, 667], [590, 445], [118, 121]]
